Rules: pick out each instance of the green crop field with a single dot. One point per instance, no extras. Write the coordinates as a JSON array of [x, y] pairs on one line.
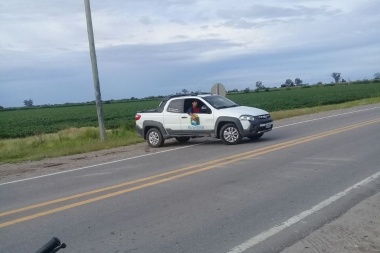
[[33, 121], [307, 96], [26, 122]]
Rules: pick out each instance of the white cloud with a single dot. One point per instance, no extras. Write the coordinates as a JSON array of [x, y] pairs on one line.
[[46, 41]]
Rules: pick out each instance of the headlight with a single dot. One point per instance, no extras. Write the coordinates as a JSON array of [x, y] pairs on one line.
[[247, 117]]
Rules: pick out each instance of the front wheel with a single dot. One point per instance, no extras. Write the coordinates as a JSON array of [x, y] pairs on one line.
[[182, 139], [230, 134], [255, 136], [154, 138]]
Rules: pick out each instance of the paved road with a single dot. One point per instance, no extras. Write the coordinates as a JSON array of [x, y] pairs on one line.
[[260, 196]]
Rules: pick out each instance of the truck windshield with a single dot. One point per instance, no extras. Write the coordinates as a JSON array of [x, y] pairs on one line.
[[219, 102]]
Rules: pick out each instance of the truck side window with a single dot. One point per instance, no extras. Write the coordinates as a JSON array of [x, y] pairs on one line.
[[175, 106], [201, 105], [187, 105]]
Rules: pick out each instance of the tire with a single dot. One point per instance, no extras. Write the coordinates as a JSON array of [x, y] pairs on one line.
[[256, 136], [154, 138], [182, 139], [230, 134]]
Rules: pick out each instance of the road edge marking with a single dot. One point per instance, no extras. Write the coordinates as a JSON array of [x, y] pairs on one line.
[[276, 229], [96, 165]]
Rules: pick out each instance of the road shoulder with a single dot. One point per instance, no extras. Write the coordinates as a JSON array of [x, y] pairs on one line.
[[358, 230]]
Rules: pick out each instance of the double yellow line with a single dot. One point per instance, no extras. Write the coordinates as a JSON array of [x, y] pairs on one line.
[[134, 185]]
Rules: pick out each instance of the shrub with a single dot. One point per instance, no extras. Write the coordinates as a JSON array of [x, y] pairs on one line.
[[365, 81]]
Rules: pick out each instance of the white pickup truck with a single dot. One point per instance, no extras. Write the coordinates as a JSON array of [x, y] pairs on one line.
[[197, 115]]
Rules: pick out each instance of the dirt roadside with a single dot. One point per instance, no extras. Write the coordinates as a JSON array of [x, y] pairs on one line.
[[11, 172]]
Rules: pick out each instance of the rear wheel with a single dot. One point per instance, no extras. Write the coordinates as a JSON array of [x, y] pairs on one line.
[[256, 136], [154, 138], [182, 139], [230, 134]]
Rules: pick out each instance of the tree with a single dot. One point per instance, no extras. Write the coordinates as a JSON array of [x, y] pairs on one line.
[[298, 82], [376, 76], [234, 90], [1, 107], [289, 83], [336, 77], [246, 90], [184, 91], [259, 85], [28, 103]]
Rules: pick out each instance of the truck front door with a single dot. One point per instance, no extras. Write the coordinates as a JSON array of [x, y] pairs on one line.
[[201, 122]]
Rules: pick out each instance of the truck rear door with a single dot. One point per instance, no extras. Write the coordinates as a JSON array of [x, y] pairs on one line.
[[172, 114]]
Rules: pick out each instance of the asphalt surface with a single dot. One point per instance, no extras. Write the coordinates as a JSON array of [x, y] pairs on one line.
[[259, 196]]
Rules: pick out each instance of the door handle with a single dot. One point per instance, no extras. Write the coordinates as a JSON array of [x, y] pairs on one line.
[[184, 117]]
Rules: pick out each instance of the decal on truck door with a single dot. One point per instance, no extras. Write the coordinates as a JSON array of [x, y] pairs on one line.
[[195, 122]]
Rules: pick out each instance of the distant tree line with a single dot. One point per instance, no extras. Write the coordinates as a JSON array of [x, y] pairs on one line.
[[28, 103], [299, 83]]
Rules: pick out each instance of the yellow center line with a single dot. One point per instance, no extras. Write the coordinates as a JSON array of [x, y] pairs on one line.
[[204, 167], [143, 179]]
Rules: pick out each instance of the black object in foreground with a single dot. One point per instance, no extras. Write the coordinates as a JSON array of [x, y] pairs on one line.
[[52, 246]]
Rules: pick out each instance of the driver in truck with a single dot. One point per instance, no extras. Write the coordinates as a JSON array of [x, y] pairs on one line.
[[194, 109]]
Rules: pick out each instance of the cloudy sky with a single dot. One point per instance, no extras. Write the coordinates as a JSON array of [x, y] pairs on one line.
[[158, 47]]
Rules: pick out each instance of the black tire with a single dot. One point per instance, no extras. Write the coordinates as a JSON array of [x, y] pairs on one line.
[[154, 138], [182, 139], [230, 134], [256, 136]]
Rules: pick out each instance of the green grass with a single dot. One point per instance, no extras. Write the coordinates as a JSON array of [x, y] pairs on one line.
[[81, 140], [29, 122], [67, 142], [33, 121]]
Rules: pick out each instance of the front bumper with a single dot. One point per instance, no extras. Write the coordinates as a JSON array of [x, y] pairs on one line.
[[258, 126]]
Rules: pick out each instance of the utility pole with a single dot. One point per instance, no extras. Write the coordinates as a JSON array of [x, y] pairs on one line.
[[98, 99]]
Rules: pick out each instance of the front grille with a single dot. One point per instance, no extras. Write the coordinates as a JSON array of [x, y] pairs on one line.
[[265, 116]]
